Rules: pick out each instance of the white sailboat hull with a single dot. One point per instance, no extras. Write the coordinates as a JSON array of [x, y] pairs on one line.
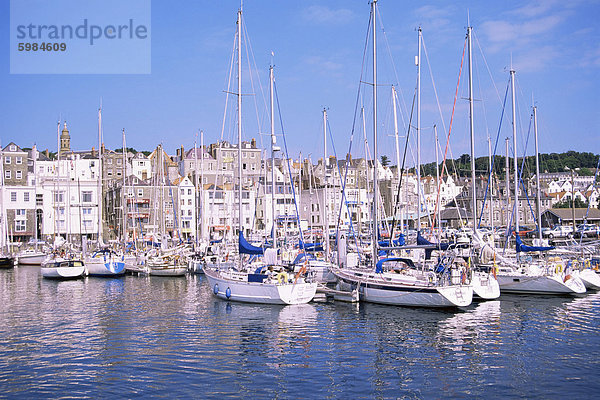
[[540, 284], [485, 285], [36, 258], [260, 292], [387, 288], [590, 279], [63, 270]]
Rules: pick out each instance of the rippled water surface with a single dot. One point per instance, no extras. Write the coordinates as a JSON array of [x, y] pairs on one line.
[[168, 337]]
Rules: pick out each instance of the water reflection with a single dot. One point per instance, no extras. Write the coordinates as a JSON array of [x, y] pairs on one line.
[[152, 336]]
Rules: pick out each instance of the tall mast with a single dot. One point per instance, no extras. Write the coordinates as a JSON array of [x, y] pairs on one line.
[[325, 163], [99, 175], [437, 176], [239, 119], [201, 202], [398, 171], [491, 178], [124, 227], [196, 185], [507, 182], [537, 176], [472, 131], [57, 183], [419, 132], [273, 186], [515, 164], [375, 178]]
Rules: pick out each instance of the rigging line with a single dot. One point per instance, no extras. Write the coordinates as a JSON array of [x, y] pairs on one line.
[[231, 62], [387, 42], [250, 56], [289, 166], [398, 191], [523, 164], [487, 66], [589, 202], [433, 83], [494, 154], [356, 105], [462, 59], [343, 182]]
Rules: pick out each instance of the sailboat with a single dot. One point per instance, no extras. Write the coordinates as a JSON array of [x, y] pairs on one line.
[[104, 262], [485, 284], [544, 275], [268, 283], [6, 259], [61, 263], [397, 280]]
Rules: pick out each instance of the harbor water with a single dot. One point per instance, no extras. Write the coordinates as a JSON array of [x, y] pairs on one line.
[[169, 337]]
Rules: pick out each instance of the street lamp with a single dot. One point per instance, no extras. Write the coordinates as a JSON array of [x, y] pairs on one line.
[[572, 194]]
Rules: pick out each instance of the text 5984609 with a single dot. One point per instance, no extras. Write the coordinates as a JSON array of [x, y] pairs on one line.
[[44, 46]]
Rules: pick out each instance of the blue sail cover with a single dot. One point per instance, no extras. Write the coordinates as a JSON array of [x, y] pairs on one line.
[[247, 248], [421, 241], [401, 241], [524, 248], [310, 246], [301, 256], [379, 265]]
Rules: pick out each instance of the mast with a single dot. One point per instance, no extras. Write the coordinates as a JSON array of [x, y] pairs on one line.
[[273, 186], [325, 164], [57, 185], [123, 201], [239, 119], [537, 176], [507, 182], [196, 186], [399, 172], [99, 189], [472, 131], [491, 178], [515, 164], [419, 133], [201, 202], [437, 176], [375, 178]]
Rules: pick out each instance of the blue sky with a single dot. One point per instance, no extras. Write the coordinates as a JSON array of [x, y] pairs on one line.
[[554, 46]]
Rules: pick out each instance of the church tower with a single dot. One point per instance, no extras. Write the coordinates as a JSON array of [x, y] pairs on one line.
[[65, 140]]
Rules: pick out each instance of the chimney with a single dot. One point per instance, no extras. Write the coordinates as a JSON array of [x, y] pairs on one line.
[[253, 143], [349, 157], [93, 151], [182, 153], [103, 149], [47, 153]]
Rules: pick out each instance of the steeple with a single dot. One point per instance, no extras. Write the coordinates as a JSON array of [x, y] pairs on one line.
[[65, 140]]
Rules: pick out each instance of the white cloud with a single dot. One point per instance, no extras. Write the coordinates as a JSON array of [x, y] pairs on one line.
[[325, 15], [536, 59]]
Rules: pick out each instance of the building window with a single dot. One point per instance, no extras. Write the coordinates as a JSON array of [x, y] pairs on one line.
[[189, 191], [140, 192], [6, 174], [18, 174], [109, 161], [86, 197], [59, 197], [26, 196], [7, 160], [189, 202], [13, 196], [19, 160], [182, 192], [20, 212], [20, 226], [190, 212], [86, 211]]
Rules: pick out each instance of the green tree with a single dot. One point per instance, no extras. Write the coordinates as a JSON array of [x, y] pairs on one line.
[[385, 161]]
